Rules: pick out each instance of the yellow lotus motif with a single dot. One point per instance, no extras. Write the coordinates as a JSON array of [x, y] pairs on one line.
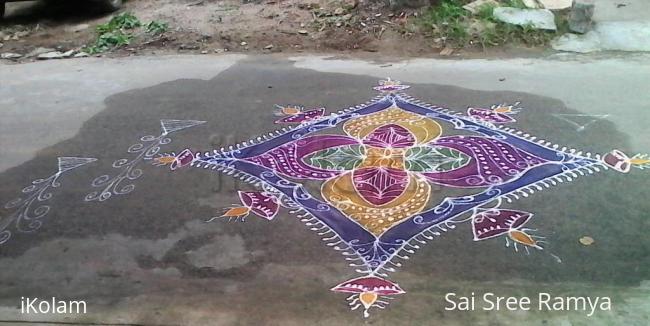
[[380, 192]]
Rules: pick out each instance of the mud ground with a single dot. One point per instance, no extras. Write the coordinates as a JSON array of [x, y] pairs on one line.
[[209, 26]]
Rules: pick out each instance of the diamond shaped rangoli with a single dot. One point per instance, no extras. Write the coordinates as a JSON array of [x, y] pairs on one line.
[[378, 165]]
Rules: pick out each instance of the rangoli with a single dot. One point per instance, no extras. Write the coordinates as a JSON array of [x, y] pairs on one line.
[[376, 178], [377, 166]]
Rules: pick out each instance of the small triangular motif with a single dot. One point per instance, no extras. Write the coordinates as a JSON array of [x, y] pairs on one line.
[[170, 126], [69, 163], [581, 121]]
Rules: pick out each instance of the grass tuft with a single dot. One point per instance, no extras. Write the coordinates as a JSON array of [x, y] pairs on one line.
[[453, 25], [157, 27], [120, 22], [120, 31], [447, 20], [514, 3]]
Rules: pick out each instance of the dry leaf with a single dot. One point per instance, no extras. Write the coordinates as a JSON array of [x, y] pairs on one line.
[[587, 241]]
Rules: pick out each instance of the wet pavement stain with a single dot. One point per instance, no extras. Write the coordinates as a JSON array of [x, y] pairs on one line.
[[141, 248]]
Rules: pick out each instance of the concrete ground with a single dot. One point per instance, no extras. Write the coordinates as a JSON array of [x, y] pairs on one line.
[[617, 26], [148, 258], [621, 10]]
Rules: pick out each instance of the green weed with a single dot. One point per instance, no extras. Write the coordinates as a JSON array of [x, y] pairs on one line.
[[157, 27], [456, 26], [514, 3], [447, 20], [110, 40], [446, 12], [120, 22], [485, 12], [120, 31]]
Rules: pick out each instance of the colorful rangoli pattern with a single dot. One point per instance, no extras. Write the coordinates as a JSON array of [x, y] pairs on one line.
[[377, 165]]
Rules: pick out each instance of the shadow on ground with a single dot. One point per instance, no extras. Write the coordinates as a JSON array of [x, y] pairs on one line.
[[53, 13]]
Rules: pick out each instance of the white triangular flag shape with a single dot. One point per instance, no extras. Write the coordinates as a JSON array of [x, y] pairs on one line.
[[581, 121], [170, 126], [69, 163]]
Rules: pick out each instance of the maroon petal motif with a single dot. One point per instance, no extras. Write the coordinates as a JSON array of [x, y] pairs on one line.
[[492, 223], [379, 185], [618, 161], [493, 162], [287, 159], [260, 203], [183, 159], [391, 135], [369, 284], [489, 115], [303, 116]]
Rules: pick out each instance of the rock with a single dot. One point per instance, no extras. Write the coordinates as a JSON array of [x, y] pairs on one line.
[[473, 7], [50, 55], [531, 4], [339, 11], [580, 17], [537, 18], [447, 51], [81, 55], [586, 43], [303, 32], [68, 54], [555, 4], [20, 34], [586, 240], [39, 51], [9, 55]]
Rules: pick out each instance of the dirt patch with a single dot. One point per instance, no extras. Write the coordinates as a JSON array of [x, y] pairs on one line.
[[216, 26]]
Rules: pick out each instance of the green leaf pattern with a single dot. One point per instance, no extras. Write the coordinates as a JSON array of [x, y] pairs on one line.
[[434, 159], [337, 158], [417, 159]]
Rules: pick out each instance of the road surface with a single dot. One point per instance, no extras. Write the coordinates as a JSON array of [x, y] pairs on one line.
[[149, 258]]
